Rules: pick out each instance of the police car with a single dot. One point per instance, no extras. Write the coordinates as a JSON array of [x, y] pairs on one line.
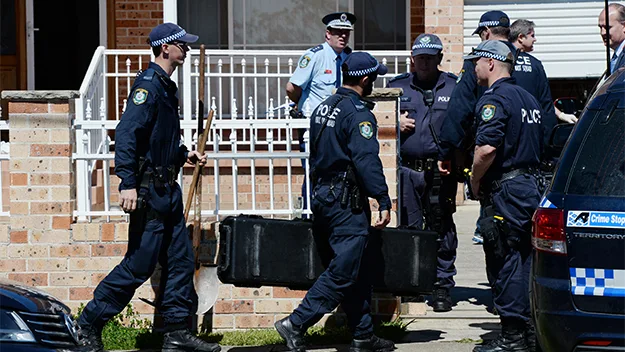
[[577, 280]]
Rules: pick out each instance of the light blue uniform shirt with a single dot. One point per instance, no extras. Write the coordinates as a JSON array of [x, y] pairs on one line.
[[316, 75]]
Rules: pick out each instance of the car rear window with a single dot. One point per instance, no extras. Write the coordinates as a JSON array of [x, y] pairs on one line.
[[599, 168]]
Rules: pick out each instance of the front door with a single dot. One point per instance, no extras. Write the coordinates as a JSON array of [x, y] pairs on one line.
[[12, 52], [65, 39]]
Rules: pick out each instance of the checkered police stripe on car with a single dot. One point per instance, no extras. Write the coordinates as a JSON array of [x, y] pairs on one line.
[[489, 55], [546, 203], [488, 24], [169, 39], [363, 72], [597, 282], [427, 46]]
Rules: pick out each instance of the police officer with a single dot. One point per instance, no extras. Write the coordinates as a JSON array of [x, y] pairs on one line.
[[344, 151], [148, 157], [318, 71], [425, 195], [523, 36], [529, 74], [508, 149]]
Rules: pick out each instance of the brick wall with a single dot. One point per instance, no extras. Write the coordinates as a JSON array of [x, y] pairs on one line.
[[134, 19], [42, 246], [417, 18], [445, 19]]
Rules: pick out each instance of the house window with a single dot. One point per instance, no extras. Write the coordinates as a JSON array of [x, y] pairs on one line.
[[381, 25], [285, 24], [207, 19], [291, 24]]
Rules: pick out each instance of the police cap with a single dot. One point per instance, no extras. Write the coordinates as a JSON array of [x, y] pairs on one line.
[[169, 32], [493, 49], [340, 20], [427, 44], [492, 19], [360, 64]]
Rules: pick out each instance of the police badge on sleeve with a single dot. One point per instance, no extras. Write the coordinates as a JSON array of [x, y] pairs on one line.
[[366, 130], [140, 96], [303, 62], [488, 111]]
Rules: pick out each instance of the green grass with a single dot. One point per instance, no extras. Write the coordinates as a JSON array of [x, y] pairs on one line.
[[127, 332], [469, 340]]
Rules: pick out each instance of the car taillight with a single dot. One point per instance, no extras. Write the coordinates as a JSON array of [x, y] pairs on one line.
[[597, 343], [548, 231]]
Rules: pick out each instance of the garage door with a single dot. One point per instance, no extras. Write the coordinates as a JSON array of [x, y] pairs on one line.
[[569, 44]]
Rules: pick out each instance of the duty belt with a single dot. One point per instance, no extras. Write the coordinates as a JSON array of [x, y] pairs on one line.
[[420, 165], [509, 176], [164, 175]]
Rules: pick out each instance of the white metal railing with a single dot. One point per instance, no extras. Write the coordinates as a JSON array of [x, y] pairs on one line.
[[4, 155], [245, 88]]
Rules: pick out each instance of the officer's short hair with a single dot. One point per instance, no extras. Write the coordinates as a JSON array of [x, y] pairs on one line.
[[156, 50], [520, 27], [507, 65], [500, 31]]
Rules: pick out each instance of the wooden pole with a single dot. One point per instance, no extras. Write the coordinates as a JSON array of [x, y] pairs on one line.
[[201, 144]]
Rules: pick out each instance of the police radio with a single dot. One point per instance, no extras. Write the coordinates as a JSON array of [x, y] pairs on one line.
[[428, 97]]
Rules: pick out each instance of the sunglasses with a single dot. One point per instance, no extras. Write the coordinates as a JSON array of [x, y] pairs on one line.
[[181, 45]]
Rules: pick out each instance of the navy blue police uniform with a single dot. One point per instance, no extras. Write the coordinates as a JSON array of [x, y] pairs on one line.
[[529, 74], [419, 151], [344, 137], [148, 157], [509, 119]]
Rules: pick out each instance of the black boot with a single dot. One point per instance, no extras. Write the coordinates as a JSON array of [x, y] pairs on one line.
[[511, 339], [442, 300], [293, 335], [184, 340], [90, 340], [372, 344]]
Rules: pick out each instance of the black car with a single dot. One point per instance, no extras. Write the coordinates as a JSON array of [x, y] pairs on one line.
[[577, 279], [32, 320]]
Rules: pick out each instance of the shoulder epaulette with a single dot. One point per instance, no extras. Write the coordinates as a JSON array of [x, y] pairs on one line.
[[147, 75], [402, 76], [317, 48]]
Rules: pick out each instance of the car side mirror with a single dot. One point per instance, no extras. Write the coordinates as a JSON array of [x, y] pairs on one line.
[[559, 135], [569, 105]]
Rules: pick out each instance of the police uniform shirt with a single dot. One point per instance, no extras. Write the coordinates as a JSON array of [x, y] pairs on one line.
[[150, 126], [316, 74], [350, 136], [510, 119], [529, 74], [419, 143]]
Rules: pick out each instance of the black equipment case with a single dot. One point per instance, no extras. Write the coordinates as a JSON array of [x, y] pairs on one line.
[[256, 252]]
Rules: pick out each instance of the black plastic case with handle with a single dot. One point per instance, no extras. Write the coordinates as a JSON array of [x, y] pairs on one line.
[[255, 252]]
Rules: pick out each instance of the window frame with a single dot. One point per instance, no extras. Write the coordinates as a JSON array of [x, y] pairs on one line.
[[170, 14]]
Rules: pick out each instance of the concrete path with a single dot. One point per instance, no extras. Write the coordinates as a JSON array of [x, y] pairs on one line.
[[456, 331]]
